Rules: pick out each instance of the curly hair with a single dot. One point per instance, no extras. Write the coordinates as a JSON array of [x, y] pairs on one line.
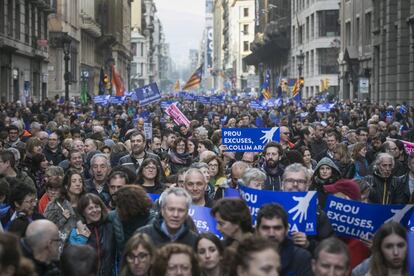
[[164, 254], [234, 210], [132, 201], [220, 172], [88, 198]]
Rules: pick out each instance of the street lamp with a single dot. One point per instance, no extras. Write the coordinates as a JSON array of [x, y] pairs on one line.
[[66, 41], [300, 59]]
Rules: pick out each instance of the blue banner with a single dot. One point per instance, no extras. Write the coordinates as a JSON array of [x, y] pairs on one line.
[[300, 206], [229, 192], [165, 104], [101, 99], [326, 107], [216, 99], [410, 250], [361, 220], [203, 99], [154, 197], [248, 139], [117, 99], [203, 219], [148, 94], [256, 105]]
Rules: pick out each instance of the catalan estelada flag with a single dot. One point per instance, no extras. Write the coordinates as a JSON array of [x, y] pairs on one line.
[[195, 79], [266, 86], [296, 95], [117, 83]]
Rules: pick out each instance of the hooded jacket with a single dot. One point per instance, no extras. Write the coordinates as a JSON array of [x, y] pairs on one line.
[[273, 177], [294, 260], [390, 190], [318, 183]]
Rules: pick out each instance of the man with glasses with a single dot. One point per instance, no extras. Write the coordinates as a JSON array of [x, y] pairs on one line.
[[13, 138], [42, 245], [297, 178]]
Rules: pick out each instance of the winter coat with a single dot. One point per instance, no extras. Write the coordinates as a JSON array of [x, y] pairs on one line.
[[102, 239], [125, 229], [54, 157], [391, 190], [273, 177], [294, 259], [54, 213], [159, 238], [132, 164]]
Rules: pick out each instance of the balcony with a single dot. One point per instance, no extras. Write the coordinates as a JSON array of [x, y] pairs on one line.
[[90, 26]]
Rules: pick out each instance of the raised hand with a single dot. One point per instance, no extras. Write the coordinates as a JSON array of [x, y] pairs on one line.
[[301, 209], [268, 135]]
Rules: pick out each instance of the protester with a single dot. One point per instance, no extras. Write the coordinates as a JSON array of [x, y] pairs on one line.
[[331, 258], [149, 176], [233, 220], [272, 224], [73, 187], [196, 185], [138, 256], [273, 153], [79, 260], [254, 178], [98, 184], [209, 250], [179, 156]]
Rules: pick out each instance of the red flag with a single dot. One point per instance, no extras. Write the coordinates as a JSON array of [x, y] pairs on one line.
[[117, 82]]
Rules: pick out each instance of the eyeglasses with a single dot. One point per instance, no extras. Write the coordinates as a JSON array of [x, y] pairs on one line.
[[131, 258], [213, 165], [293, 181]]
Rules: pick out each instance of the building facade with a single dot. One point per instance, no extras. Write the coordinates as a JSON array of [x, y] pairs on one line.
[[315, 44], [24, 49]]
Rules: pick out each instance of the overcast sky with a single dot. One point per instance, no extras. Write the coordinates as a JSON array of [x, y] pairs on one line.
[[183, 22]]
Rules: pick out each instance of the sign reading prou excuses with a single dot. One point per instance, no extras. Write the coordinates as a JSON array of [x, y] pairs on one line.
[[248, 139]]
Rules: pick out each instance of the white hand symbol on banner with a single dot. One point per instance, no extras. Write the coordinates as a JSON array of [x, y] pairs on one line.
[[301, 208], [268, 135], [399, 214]]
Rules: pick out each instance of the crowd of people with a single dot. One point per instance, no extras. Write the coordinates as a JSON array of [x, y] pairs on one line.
[[75, 186]]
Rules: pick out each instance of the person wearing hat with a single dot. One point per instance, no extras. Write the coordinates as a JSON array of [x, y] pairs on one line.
[[326, 172], [349, 189]]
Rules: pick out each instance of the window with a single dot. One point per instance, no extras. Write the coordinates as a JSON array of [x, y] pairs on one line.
[[246, 46], [245, 12], [141, 73], [17, 21], [245, 29], [33, 24], [26, 22], [328, 23], [367, 34], [357, 32], [307, 28], [133, 69], [39, 24], [142, 49], [312, 27], [300, 35], [10, 18], [293, 36], [312, 64], [133, 49], [73, 64], [327, 58], [348, 33]]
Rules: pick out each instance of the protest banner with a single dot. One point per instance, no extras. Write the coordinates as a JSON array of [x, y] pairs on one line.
[[101, 99], [202, 99], [176, 114], [229, 192], [165, 104], [148, 94], [154, 197], [410, 250], [148, 131], [203, 219], [248, 139], [300, 206], [361, 220], [117, 99], [325, 107]]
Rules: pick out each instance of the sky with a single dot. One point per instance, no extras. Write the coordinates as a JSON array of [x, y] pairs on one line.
[[183, 22]]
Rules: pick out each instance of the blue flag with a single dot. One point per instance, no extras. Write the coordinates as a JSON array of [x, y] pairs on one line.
[[148, 94], [248, 139], [203, 219]]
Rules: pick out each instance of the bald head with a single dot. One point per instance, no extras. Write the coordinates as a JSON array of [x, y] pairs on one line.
[[206, 155], [40, 232]]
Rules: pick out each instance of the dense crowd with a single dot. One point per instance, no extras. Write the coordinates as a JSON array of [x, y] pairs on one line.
[[75, 186]]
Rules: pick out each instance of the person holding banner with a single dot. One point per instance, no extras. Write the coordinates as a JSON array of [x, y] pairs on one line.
[[297, 178], [389, 251]]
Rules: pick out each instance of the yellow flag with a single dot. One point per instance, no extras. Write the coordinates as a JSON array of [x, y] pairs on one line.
[[177, 85]]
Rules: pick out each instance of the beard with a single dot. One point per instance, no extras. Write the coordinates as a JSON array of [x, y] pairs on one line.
[[271, 163]]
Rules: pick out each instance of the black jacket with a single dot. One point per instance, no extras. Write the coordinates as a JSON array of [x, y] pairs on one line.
[[294, 260], [159, 238], [273, 177], [391, 190], [50, 269], [55, 157], [323, 228], [132, 164]]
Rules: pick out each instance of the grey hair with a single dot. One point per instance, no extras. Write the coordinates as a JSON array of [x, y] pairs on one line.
[[55, 171], [194, 170], [297, 167], [381, 156], [253, 174], [199, 165], [97, 155], [177, 192]]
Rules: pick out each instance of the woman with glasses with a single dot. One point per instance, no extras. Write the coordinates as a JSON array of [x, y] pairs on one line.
[[137, 256], [95, 230], [175, 260], [149, 176], [216, 171], [179, 157], [254, 178]]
